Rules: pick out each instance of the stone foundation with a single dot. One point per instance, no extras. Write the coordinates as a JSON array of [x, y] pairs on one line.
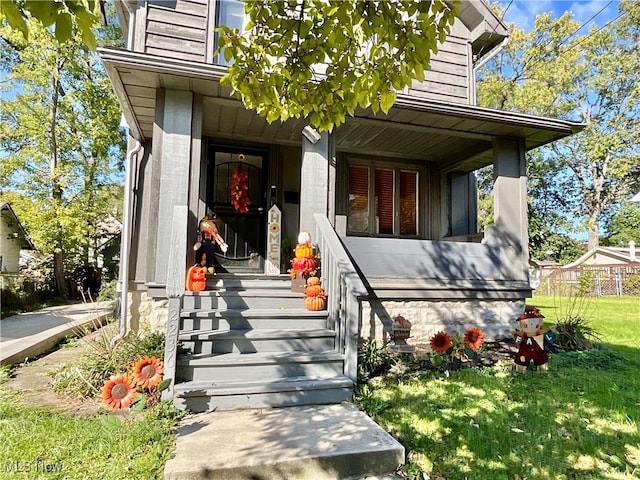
[[496, 318], [147, 313]]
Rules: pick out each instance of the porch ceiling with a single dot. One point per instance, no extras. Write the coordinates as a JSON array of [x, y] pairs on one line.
[[454, 137]]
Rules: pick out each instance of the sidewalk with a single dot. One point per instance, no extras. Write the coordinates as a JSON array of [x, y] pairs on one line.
[[31, 334]]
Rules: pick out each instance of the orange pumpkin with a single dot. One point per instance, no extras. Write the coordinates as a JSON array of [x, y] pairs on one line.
[[196, 279], [303, 251], [314, 303], [313, 281], [313, 290]]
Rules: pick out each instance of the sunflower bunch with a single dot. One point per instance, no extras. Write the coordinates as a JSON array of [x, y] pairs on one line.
[[138, 389], [464, 347]]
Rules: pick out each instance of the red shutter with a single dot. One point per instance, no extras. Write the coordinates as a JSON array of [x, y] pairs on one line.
[[408, 203], [384, 201], [358, 219]]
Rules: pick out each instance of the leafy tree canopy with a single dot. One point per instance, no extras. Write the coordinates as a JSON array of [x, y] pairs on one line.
[[553, 71], [322, 59], [63, 14], [623, 227]]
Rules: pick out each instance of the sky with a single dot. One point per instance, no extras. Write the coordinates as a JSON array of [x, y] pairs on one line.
[[523, 12]]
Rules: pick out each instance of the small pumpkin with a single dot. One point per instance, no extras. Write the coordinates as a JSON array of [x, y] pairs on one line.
[[196, 279], [313, 290], [313, 281], [303, 251], [304, 237], [302, 264], [315, 303]]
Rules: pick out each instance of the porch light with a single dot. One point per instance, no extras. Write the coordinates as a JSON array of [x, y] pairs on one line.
[[311, 134]]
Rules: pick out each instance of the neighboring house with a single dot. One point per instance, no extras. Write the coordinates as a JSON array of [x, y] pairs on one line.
[[607, 256], [390, 200], [13, 239]]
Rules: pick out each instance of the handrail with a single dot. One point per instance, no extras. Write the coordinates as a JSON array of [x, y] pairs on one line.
[[175, 291], [345, 291]]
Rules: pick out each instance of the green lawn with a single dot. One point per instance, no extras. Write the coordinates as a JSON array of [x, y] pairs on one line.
[[38, 443], [577, 421]]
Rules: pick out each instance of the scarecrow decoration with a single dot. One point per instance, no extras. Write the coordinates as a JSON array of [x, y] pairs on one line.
[[532, 341]]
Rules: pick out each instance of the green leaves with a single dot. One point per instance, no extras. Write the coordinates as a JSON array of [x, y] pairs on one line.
[[324, 59], [62, 13]]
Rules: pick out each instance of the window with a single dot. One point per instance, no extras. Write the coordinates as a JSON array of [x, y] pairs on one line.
[[382, 200], [231, 14]]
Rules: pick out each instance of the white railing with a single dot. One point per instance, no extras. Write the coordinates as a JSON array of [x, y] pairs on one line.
[[345, 292]]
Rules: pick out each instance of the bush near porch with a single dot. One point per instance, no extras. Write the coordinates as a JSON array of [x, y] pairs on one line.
[[579, 420]]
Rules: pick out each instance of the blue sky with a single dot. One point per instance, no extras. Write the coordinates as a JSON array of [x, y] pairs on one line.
[[523, 12]]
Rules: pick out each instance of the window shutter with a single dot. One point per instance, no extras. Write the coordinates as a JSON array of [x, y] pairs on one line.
[[358, 219], [384, 201], [408, 203]]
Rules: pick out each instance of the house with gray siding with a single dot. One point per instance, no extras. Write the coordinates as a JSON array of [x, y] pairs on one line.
[[389, 201]]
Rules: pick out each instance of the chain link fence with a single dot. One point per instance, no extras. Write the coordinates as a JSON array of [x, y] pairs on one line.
[[595, 280]]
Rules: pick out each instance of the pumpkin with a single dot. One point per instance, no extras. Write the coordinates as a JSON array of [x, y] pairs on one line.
[[196, 279], [313, 281], [313, 290], [304, 237], [302, 264], [303, 251], [314, 303]]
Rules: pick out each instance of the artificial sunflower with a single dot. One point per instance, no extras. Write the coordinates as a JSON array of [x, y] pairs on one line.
[[148, 372], [118, 392], [440, 342], [474, 338]]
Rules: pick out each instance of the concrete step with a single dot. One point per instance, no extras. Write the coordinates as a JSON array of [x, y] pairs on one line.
[[325, 442], [260, 340], [243, 299], [231, 395], [244, 281], [246, 319], [245, 367]]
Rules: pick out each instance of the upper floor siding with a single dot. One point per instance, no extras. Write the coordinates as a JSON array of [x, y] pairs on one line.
[[184, 29]]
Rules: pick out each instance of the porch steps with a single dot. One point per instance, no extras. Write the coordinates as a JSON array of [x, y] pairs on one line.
[[250, 343]]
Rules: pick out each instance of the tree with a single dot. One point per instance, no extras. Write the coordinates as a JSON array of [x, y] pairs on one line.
[[322, 59], [623, 227], [60, 143], [63, 14], [552, 71]]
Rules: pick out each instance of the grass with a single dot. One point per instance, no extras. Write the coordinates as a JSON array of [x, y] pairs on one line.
[[41, 443], [577, 421]]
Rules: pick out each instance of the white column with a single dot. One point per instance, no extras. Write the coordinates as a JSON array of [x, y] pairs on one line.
[[314, 181]]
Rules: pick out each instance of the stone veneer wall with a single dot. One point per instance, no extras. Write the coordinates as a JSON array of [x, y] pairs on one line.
[[496, 318], [147, 313]]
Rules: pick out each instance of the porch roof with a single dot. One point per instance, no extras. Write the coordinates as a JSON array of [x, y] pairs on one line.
[[454, 137]]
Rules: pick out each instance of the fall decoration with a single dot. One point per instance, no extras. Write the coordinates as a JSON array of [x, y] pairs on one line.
[[474, 338], [303, 250], [118, 392], [440, 342], [315, 303], [304, 237], [313, 281], [303, 264], [148, 372], [240, 188], [196, 278], [532, 340], [400, 330], [313, 290]]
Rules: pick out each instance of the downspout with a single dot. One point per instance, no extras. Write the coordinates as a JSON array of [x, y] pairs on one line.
[[123, 281], [483, 61]]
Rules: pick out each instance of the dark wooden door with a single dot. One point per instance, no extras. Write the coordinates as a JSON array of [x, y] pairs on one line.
[[241, 223]]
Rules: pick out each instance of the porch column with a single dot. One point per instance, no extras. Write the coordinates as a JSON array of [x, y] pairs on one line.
[[314, 181], [174, 160], [510, 203]]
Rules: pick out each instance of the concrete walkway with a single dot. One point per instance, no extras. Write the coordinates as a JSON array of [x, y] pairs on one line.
[[31, 334]]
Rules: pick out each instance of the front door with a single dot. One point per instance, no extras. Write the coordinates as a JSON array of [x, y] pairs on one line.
[[237, 196]]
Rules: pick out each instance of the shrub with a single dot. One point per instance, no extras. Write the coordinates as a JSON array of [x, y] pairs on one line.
[[372, 360], [574, 333], [631, 286]]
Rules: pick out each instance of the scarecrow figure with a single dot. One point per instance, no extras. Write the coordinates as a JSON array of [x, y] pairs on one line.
[[206, 241], [532, 341]]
